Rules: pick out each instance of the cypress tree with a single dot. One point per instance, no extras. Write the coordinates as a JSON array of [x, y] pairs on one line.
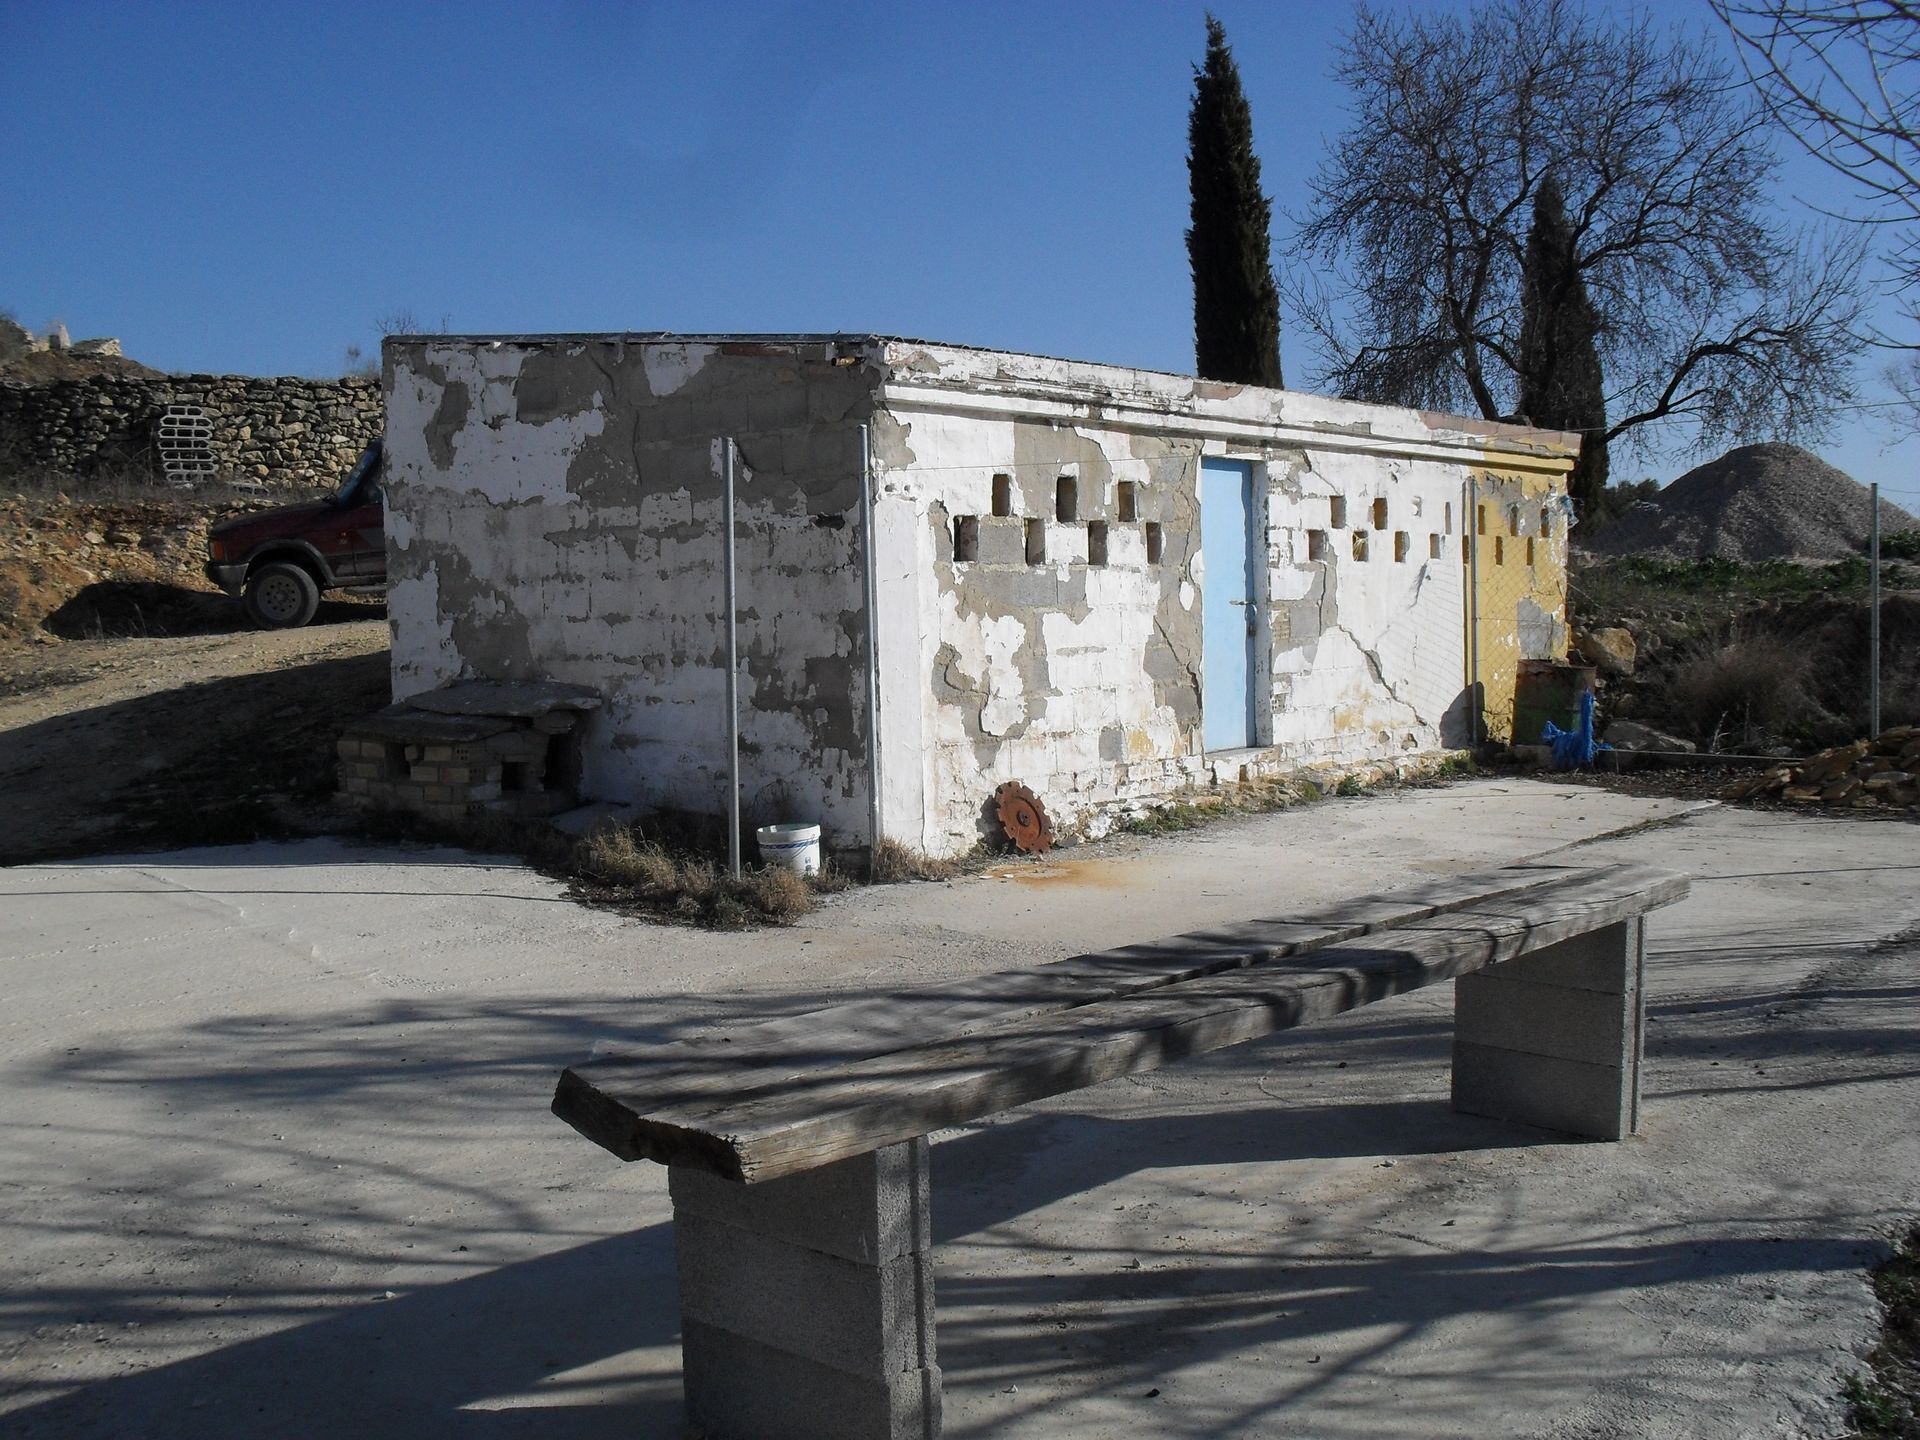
[[1560, 383], [1236, 309]]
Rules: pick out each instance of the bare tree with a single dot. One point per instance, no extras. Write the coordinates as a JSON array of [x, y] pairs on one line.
[[1843, 77], [402, 321], [1408, 266]]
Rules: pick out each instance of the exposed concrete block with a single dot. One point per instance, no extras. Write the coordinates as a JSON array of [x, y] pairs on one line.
[[1597, 1101], [1537, 1019], [1554, 1038], [738, 1387], [872, 1208], [1003, 540], [777, 407], [864, 1319], [807, 1303], [1605, 960]]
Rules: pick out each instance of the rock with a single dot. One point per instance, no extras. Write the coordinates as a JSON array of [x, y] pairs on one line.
[[1629, 735], [1889, 780], [1801, 794], [1836, 792], [1610, 650], [1749, 787], [1830, 764]]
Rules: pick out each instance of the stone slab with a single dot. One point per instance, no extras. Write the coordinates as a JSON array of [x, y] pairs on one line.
[[402, 724], [520, 698]]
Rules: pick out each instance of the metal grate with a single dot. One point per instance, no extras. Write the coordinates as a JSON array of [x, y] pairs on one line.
[[185, 440]]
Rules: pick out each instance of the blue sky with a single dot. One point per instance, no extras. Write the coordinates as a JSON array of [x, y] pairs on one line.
[[250, 188]]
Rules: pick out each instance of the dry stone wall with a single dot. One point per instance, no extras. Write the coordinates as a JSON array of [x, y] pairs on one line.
[[283, 433]]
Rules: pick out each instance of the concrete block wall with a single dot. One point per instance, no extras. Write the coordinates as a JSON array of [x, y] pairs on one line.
[[554, 513], [1032, 655], [1367, 622], [1083, 680], [554, 509]]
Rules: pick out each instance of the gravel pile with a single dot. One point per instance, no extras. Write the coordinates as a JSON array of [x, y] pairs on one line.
[[1757, 502]]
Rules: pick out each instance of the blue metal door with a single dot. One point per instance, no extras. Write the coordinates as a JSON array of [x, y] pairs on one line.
[[1226, 603]]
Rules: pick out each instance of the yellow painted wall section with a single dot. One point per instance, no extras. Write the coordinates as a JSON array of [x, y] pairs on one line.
[[1519, 522]]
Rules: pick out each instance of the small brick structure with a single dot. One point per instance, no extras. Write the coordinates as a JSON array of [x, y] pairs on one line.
[[511, 747]]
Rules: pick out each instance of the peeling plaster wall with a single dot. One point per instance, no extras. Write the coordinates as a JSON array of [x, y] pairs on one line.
[[1083, 680], [1369, 647], [1080, 680], [554, 509], [1520, 584]]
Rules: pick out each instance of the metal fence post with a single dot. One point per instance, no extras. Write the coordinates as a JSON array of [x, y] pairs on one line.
[[733, 673]]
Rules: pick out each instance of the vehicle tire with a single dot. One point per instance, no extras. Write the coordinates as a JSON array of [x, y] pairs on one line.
[[281, 596]]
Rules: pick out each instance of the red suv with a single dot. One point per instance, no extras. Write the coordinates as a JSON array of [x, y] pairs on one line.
[[282, 559]]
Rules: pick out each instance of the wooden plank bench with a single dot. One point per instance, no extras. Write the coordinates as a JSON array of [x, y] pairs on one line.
[[797, 1149]]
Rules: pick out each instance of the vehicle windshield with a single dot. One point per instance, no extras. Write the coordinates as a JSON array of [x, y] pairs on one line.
[[365, 473]]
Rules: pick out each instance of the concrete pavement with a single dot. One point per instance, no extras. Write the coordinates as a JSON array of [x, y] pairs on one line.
[[275, 1159]]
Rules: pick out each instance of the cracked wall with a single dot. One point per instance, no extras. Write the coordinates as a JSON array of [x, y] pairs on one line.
[[554, 511], [1009, 651], [1367, 594], [1040, 658]]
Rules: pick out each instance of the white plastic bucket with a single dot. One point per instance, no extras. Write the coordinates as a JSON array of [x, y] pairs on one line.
[[790, 846]]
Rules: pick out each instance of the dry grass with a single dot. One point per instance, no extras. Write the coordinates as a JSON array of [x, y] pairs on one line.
[[630, 868], [894, 863], [613, 855], [1744, 691]]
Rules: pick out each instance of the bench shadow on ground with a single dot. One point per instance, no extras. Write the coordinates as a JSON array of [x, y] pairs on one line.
[[513, 1348]]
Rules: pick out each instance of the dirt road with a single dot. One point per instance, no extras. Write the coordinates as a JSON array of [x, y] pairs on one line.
[[129, 743]]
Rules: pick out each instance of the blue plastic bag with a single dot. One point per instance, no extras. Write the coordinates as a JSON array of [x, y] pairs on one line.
[[1574, 749]]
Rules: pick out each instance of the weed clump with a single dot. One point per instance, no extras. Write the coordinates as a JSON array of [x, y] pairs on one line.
[[1751, 688], [894, 863], [688, 886], [1882, 1404]]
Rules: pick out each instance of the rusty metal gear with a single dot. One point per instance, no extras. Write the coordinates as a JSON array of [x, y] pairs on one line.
[[1023, 817]]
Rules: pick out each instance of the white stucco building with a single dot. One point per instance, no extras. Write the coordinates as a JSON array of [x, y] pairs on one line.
[[1112, 585]]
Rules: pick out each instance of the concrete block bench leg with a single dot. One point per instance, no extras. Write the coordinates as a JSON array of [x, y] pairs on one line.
[[806, 1303], [1553, 1038]]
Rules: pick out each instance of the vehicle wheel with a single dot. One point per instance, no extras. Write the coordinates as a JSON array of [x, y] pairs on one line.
[[282, 596]]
